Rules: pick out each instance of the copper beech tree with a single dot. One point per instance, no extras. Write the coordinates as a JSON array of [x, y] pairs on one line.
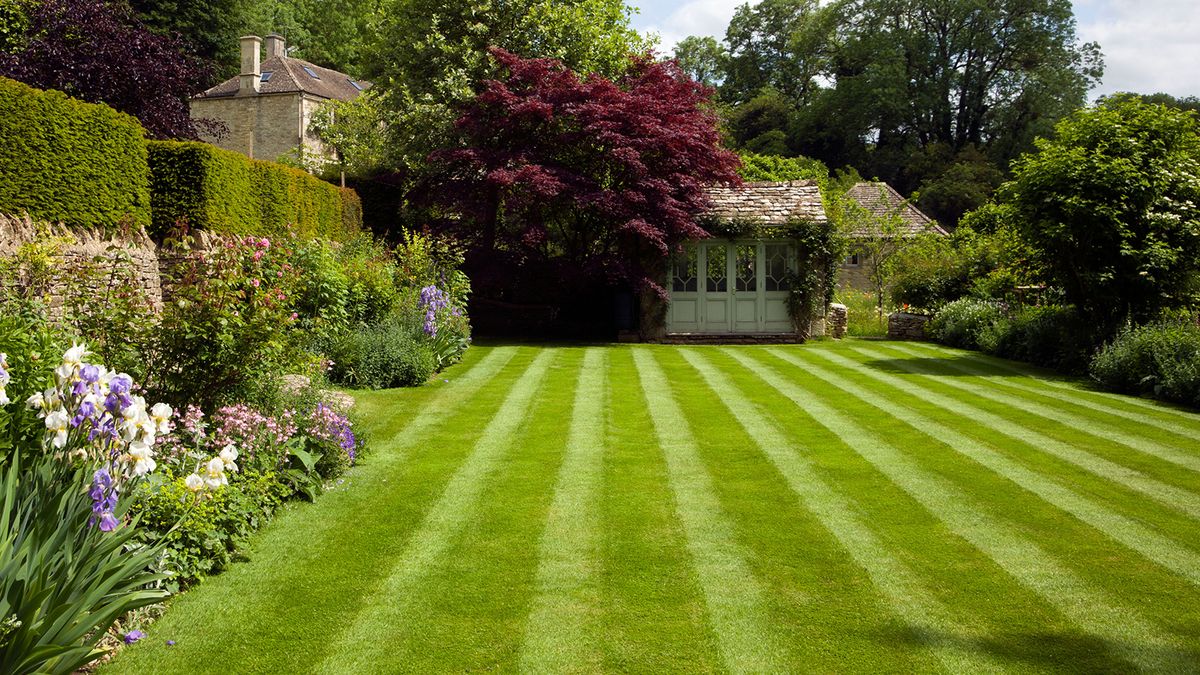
[[578, 180]]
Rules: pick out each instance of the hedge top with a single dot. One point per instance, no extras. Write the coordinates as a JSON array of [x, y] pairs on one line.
[[64, 160], [84, 164]]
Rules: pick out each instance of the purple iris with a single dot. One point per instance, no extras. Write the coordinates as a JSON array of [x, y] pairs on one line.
[[133, 636], [89, 373], [120, 384], [104, 500]]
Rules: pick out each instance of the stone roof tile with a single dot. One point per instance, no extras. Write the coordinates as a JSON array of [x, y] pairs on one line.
[[766, 202], [882, 200], [288, 75]]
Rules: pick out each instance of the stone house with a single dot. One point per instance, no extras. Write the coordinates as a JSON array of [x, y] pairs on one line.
[[881, 203], [737, 286], [268, 107]]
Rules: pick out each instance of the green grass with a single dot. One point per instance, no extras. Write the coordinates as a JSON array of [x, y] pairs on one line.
[[862, 313], [840, 506]]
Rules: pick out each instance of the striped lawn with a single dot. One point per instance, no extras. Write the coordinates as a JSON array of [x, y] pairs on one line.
[[851, 506]]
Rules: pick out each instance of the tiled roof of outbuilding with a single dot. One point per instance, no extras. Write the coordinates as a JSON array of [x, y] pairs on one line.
[[882, 200], [288, 75], [766, 202]]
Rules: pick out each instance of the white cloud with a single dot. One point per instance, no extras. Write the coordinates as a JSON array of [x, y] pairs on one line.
[[696, 17], [1148, 46]]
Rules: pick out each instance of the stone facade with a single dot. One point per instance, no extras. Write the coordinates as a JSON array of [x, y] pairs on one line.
[[905, 326], [265, 126], [836, 321], [74, 249]]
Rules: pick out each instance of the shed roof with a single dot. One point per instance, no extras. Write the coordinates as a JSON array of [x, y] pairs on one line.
[[289, 75], [882, 200], [767, 202]]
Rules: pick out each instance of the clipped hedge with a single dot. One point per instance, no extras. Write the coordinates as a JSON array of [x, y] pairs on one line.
[[64, 160], [224, 192]]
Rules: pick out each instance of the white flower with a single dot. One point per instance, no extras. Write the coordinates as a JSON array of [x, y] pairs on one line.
[[194, 483], [56, 423], [214, 473], [71, 362], [77, 455], [143, 458], [160, 414], [4, 399], [228, 455], [36, 401]]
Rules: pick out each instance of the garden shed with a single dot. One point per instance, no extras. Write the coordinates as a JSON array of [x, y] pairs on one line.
[[737, 284]]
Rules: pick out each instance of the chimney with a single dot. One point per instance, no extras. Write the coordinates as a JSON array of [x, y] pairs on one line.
[[248, 81], [276, 46]]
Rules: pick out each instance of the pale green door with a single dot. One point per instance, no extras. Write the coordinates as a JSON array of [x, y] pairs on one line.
[[731, 287]]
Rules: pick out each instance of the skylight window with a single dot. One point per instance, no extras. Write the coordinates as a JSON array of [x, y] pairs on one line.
[[356, 85], [311, 74], [266, 76]]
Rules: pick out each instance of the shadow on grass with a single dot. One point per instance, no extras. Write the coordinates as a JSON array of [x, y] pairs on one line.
[[943, 365], [1046, 650]]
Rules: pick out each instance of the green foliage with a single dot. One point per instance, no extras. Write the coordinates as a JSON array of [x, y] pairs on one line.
[[426, 56], [227, 328], [32, 348], [935, 270], [864, 318], [1112, 207], [354, 129], [1050, 335], [394, 353], [773, 168], [702, 58], [14, 23], [227, 193], [202, 538], [818, 253], [64, 160], [960, 323], [1161, 359], [62, 583]]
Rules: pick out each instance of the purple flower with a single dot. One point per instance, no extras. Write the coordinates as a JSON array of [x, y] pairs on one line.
[[104, 499], [170, 643], [120, 384], [108, 523], [89, 373], [133, 636]]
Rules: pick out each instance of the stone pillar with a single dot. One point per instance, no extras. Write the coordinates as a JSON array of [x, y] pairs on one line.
[[276, 46], [837, 319]]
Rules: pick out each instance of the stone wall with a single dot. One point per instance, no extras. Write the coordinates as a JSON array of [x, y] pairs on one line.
[[905, 326], [836, 320], [68, 251]]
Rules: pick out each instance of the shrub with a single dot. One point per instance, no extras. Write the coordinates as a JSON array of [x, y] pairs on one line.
[[1162, 359], [959, 323], [391, 354], [863, 318], [227, 329], [1051, 336], [227, 193], [64, 160]]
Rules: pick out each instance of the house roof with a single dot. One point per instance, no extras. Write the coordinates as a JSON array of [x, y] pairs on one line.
[[766, 202], [882, 200], [289, 75]]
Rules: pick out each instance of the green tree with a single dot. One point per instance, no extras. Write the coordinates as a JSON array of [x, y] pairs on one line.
[[703, 58], [427, 56], [1112, 207], [769, 46], [355, 131]]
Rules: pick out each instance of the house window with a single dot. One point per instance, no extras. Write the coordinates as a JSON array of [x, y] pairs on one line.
[[310, 72], [683, 277], [266, 76], [852, 260], [354, 84]]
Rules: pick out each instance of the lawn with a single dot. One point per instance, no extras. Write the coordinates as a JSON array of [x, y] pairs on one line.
[[850, 506]]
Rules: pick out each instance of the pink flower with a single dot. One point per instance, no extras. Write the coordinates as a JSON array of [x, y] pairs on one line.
[[255, 282], [295, 316], [258, 256]]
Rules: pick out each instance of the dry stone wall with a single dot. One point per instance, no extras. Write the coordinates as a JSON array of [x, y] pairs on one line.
[[837, 320], [906, 326], [63, 252]]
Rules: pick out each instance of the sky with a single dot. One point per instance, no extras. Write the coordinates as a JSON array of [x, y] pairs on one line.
[[1149, 45]]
